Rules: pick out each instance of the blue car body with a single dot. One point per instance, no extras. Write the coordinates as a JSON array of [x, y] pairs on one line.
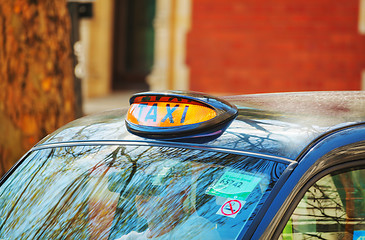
[[300, 130]]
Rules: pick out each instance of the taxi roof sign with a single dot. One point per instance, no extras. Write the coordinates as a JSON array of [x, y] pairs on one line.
[[180, 116]]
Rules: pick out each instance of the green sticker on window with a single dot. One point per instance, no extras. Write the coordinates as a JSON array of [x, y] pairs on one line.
[[234, 185]]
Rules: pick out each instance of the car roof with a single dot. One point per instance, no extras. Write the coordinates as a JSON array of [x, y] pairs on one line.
[[276, 124]]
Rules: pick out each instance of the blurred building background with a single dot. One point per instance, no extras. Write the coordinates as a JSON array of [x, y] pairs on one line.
[[221, 47]]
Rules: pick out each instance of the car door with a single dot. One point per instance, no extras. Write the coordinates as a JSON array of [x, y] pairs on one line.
[[332, 203], [331, 208]]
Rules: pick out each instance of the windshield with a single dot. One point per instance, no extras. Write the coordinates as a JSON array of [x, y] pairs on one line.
[[133, 192]]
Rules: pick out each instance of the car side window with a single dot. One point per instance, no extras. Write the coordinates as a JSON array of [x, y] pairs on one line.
[[332, 208]]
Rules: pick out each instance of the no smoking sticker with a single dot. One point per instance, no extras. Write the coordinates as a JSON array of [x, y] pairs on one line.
[[231, 208]]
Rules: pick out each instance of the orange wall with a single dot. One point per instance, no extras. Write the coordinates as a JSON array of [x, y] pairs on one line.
[[250, 46]]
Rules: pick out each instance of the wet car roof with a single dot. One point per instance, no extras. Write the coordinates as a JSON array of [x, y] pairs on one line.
[[280, 124]]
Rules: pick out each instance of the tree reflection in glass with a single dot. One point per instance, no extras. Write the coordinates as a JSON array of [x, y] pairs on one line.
[[109, 191]]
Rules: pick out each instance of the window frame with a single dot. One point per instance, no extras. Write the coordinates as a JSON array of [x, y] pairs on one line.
[[357, 163]]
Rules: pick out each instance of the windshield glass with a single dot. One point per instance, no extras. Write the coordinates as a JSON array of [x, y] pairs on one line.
[[133, 192]]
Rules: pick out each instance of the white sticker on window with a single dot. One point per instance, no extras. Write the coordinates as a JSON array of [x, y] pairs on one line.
[[234, 185], [359, 235], [231, 208]]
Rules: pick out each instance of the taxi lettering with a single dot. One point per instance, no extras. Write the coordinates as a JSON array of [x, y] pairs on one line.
[[162, 113], [152, 113], [168, 112]]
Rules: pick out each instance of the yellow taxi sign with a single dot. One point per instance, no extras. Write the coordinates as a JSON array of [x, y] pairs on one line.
[[175, 115], [168, 114]]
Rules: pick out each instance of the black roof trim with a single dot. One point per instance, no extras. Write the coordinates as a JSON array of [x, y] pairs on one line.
[[167, 144]]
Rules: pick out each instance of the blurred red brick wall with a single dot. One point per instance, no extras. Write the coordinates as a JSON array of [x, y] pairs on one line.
[[250, 46]]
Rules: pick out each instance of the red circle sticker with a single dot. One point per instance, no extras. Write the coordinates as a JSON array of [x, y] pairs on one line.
[[231, 207]]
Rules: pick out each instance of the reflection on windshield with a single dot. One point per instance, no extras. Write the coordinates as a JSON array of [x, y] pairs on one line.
[[133, 192]]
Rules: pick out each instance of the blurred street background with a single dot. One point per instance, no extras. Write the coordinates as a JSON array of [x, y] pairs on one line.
[[220, 47], [63, 59], [111, 101]]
